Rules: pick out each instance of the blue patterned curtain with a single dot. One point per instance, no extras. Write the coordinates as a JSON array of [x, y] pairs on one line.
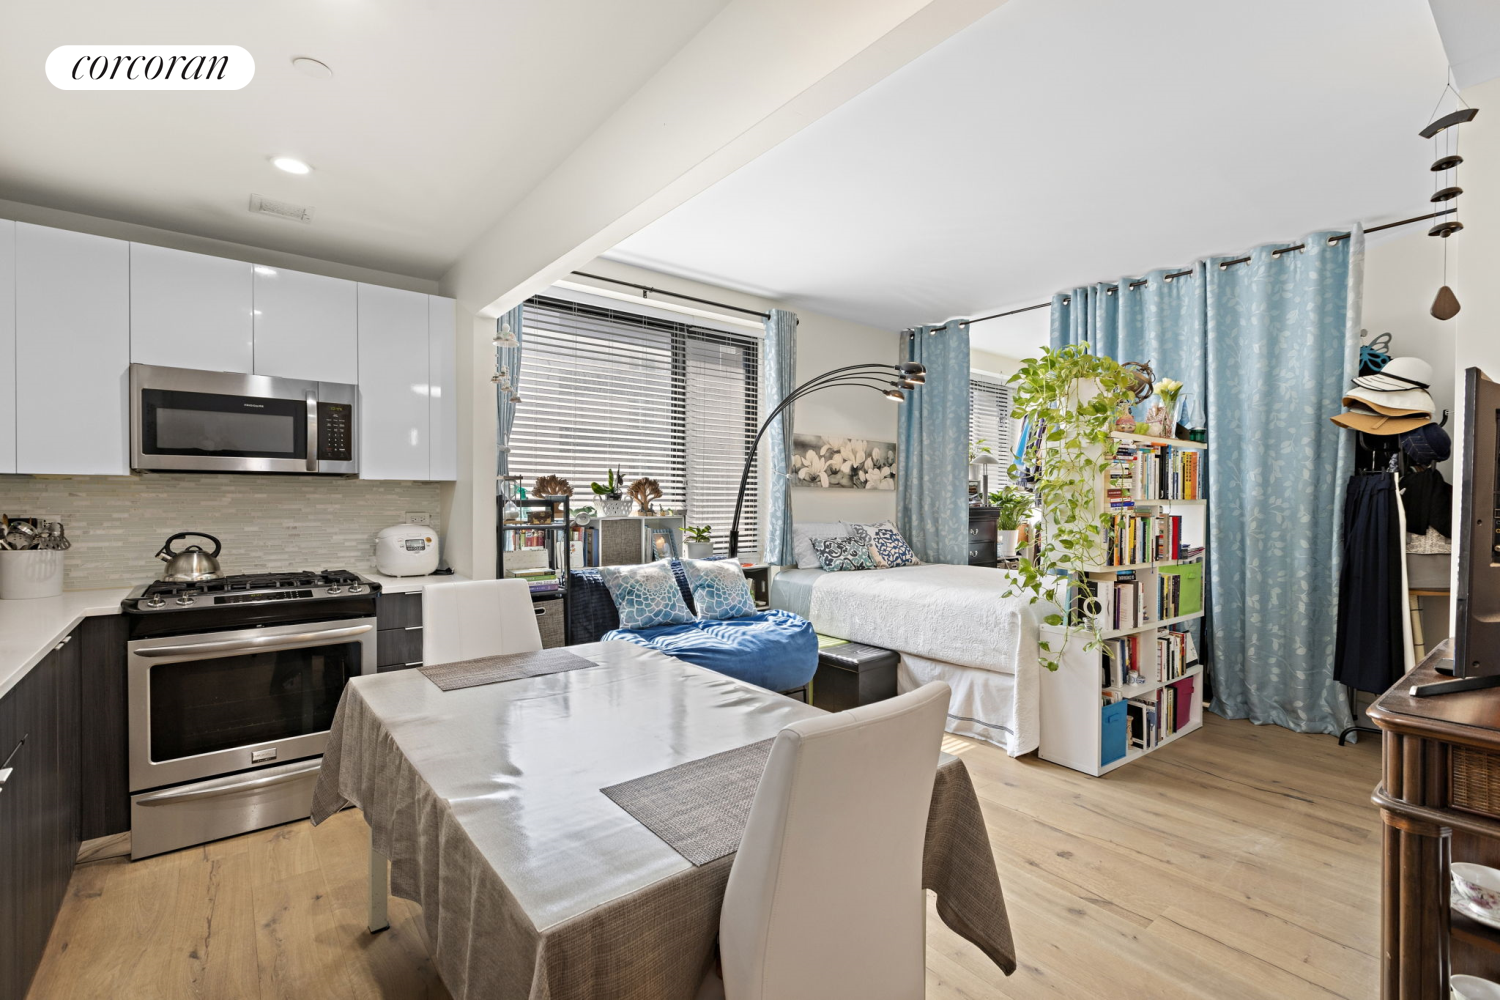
[[1283, 336], [779, 379], [1270, 346], [1161, 322], [508, 358], [932, 447]]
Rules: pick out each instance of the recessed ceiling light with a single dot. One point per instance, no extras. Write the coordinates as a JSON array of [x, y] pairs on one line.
[[312, 67], [290, 165]]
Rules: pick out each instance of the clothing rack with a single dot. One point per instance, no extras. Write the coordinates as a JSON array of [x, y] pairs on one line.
[[1223, 265]]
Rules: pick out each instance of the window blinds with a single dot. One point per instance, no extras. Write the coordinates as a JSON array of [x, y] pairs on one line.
[[602, 388], [989, 424]]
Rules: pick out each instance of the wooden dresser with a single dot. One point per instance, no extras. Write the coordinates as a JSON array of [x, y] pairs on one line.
[[1439, 799], [983, 536]]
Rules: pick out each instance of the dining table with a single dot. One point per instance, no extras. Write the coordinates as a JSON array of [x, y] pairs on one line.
[[533, 883]]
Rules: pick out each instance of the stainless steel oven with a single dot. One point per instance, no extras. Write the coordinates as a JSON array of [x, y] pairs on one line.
[[227, 727], [183, 419]]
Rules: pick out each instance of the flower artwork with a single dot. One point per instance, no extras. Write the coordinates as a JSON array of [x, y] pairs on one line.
[[843, 463]]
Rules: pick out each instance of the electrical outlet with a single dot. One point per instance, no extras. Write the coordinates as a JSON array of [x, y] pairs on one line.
[[419, 517]]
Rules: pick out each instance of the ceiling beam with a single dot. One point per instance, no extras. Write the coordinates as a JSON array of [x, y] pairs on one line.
[[756, 74]]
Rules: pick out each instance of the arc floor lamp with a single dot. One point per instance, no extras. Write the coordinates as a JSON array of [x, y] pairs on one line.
[[909, 376]]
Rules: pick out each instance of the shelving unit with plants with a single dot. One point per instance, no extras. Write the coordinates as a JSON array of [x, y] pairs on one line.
[[1125, 525]]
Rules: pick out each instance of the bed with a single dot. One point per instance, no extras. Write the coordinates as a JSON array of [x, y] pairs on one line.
[[947, 623]]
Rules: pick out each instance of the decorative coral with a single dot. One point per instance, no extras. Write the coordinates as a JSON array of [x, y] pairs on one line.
[[553, 486], [643, 491]]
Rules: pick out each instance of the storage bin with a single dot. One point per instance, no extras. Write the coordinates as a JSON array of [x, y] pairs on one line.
[[550, 622], [1114, 733], [29, 574]]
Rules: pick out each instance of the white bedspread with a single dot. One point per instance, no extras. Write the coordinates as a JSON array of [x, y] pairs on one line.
[[948, 623], [951, 613]]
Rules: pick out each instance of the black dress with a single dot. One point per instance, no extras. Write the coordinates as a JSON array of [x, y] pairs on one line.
[[1370, 654]]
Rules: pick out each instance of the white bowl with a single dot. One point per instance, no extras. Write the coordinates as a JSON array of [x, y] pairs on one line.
[[1473, 988], [1479, 886]]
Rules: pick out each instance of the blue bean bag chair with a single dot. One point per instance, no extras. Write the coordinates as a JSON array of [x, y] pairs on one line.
[[774, 649]]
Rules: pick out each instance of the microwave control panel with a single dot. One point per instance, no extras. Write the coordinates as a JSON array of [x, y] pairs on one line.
[[335, 432]]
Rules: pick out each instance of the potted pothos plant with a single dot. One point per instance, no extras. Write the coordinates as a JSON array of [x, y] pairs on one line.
[[700, 543], [1071, 399], [1012, 505], [611, 495]]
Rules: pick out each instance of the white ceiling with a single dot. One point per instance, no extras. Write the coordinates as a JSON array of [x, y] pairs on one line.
[[1057, 142], [1471, 36], [441, 114]]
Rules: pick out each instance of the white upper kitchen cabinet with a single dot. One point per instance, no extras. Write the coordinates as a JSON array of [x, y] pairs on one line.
[[393, 384], [72, 353], [189, 310], [7, 346], [442, 393], [306, 326]]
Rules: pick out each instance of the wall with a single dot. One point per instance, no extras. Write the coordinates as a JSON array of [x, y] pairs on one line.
[[266, 523]]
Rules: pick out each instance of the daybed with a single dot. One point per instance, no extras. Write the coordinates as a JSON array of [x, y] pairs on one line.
[[948, 623], [774, 649]]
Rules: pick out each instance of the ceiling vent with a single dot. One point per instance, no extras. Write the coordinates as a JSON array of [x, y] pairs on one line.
[[279, 209]]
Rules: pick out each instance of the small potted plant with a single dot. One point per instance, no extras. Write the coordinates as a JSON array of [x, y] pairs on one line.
[[611, 495], [700, 543], [1013, 505]]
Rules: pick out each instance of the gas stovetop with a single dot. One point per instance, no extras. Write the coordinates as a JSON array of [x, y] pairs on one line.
[[252, 589]]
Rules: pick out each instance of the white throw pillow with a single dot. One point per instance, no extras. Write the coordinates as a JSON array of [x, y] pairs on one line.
[[802, 536]]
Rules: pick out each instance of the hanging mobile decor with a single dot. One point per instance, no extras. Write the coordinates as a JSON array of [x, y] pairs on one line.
[[1444, 135]]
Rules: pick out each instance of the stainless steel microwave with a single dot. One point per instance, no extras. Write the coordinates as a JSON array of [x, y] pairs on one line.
[[182, 419]]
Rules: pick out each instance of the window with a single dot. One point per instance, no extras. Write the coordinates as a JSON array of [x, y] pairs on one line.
[[678, 403], [989, 424]]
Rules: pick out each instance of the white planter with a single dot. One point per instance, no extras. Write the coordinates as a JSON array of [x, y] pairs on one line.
[[615, 508], [30, 574], [699, 550], [1005, 543]]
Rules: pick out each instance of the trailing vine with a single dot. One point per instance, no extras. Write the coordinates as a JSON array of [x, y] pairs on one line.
[[1071, 398]]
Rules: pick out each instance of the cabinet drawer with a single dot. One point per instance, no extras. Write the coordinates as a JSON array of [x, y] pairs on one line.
[[398, 610], [983, 554], [398, 647], [982, 531]]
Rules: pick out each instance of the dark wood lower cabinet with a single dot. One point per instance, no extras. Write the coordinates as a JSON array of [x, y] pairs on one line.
[[104, 761], [39, 809]]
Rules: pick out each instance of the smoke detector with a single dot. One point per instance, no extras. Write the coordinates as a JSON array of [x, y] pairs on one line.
[[261, 205]]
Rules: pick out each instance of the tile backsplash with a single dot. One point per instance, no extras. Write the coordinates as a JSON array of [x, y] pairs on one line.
[[117, 523]]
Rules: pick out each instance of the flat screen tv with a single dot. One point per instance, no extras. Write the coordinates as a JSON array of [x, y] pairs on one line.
[[1476, 641]]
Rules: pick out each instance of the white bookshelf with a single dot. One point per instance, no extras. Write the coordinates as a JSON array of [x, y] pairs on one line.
[[1072, 697]]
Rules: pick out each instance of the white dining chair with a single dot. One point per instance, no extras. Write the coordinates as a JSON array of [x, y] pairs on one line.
[[461, 621], [825, 900]]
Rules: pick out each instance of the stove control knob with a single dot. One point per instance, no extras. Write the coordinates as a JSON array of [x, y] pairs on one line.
[[355, 588], [184, 600], [155, 601], [335, 589]]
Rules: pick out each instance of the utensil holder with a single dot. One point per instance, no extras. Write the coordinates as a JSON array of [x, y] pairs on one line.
[[30, 573]]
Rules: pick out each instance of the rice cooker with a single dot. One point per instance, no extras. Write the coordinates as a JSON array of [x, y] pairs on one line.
[[406, 550]]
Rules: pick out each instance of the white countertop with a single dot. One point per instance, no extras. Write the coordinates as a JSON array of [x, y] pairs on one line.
[[407, 584], [29, 629]]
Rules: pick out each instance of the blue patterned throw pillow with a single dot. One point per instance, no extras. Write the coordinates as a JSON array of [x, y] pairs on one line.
[[720, 589], [887, 547], [646, 595], [838, 554]]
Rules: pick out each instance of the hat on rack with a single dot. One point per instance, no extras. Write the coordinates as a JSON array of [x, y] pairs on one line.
[[1427, 444], [1395, 403], [1361, 418], [1398, 374]]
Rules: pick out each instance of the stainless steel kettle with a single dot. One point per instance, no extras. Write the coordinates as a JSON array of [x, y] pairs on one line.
[[192, 563]]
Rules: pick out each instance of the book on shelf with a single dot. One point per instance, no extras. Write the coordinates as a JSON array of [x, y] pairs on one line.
[[1134, 537], [1180, 588], [1146, 473]]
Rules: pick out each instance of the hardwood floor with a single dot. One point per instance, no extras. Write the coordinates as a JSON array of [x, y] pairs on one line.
[[1241, 862]]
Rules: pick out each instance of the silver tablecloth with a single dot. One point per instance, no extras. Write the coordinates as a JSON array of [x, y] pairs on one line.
[[532, 883]]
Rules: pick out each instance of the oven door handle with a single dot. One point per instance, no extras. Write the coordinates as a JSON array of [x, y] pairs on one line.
[[181, 795], [260, 643]]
